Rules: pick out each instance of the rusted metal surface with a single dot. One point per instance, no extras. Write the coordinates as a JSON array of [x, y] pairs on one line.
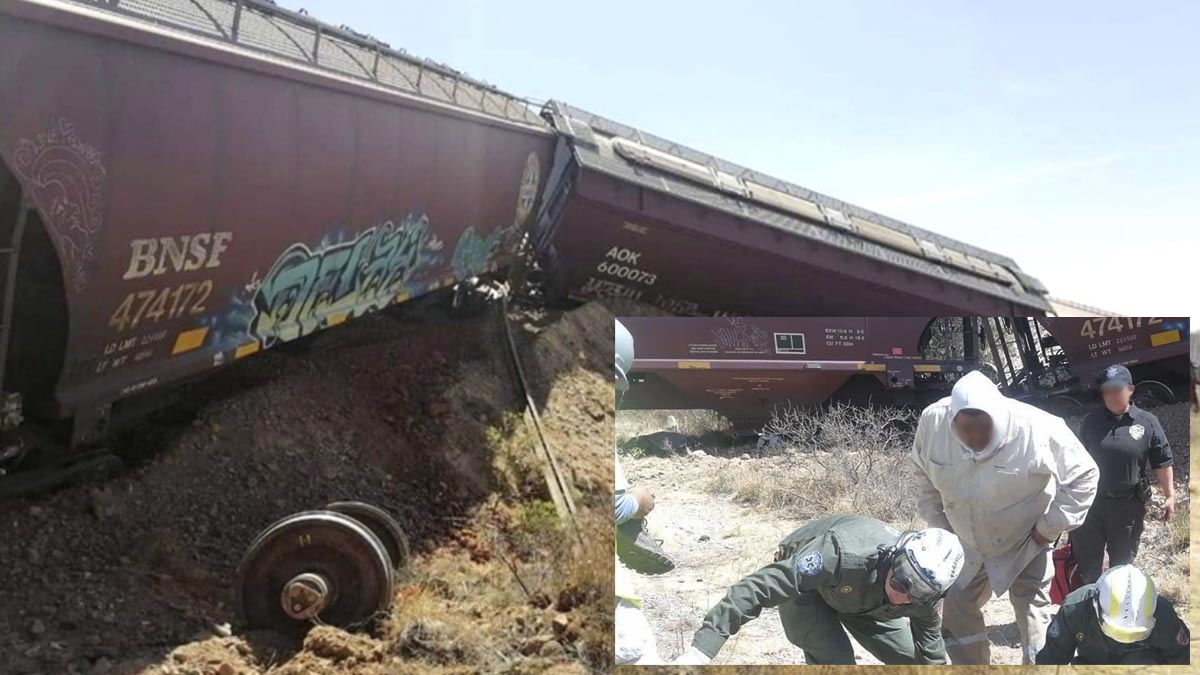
[[647, 219], [205, 203], [744, 367]]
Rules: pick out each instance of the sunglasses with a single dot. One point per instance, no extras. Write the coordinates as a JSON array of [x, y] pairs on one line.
[[901, 587], [905, 587]]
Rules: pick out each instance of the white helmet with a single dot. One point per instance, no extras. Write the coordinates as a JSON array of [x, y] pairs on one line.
[[927, 563], [1126, 600]]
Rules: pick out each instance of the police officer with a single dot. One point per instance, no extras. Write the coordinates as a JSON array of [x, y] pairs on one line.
[[1118, 620], [845, 573], [1123, 439]]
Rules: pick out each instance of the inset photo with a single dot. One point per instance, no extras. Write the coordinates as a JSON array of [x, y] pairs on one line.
[[903, 490]]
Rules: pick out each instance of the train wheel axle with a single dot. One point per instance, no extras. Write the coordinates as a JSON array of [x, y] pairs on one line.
[[314, 566]]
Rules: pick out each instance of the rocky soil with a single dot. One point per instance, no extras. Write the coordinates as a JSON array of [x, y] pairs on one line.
[[417, 414]]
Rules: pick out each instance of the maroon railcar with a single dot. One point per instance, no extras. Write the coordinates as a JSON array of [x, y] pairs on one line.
[[631, 215], [183, 184], [1056, 361], [748, 366], [745, 367]]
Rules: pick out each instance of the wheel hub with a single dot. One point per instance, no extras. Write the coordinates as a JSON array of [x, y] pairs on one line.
[[305, 596]]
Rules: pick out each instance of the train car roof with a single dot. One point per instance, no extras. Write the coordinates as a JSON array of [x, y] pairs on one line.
[[262, 27], [726, 188], [1071, 308]]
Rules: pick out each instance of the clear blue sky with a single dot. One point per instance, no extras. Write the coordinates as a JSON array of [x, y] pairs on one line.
[[1063, 134]]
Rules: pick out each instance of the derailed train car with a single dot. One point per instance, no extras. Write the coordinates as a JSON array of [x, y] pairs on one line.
[[1055, 361], [631, 215], [185, 184], [176, 199], [747, 367]]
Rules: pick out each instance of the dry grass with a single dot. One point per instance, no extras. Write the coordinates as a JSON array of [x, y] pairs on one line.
[[528, 584], [515, 467], [855, 460]]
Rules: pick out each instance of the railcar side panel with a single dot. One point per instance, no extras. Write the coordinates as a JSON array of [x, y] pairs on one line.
[[204, 208]]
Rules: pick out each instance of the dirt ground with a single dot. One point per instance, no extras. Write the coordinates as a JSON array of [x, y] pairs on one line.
[[415, 412], [718, 536]]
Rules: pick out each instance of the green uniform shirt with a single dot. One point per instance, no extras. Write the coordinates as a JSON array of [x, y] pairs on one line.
[[1074, 635], [837, 558]]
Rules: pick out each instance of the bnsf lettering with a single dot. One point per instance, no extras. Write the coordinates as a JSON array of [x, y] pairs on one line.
[[177, 254]]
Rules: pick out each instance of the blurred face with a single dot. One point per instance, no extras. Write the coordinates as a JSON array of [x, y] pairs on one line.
[[896, 595], [974, 428], [1116, 399]]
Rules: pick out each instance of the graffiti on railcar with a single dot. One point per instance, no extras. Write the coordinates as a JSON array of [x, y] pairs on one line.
[[64, 177], [472, 253], [528, 192], [740, 336], [309, 288]]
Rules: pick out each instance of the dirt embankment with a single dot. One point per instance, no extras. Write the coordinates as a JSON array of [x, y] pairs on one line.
[[417, 414], [722, 514]]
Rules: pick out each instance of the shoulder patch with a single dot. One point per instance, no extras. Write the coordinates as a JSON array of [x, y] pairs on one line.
[[1183, 637], [1055, 629], [1137, 431], [809, 563]]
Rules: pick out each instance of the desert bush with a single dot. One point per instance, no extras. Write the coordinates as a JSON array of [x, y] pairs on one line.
[[838, 459]]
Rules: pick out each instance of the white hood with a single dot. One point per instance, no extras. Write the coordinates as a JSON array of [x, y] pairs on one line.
[[1034, 473], [976, 392]]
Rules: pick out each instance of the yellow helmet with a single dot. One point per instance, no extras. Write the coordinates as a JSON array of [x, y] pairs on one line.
[[1126, 600]]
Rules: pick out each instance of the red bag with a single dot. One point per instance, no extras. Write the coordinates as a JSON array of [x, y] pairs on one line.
[[1066, 574]]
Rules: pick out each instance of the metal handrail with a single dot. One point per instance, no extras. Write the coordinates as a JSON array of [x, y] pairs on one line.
[[230, 26]]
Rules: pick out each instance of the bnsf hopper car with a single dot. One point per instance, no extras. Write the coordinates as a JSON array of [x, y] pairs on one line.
[[746, 367], [174, 200], [184, 184]]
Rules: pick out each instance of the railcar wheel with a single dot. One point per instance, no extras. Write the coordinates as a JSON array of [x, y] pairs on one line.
[[1150, 393], [382, 524], [314, 565], [1063, 406]]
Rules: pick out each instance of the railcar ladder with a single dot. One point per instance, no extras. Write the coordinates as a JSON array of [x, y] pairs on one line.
[[11, 231]]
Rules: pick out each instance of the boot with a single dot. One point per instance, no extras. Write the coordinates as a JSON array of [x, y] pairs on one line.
[[638, 551]]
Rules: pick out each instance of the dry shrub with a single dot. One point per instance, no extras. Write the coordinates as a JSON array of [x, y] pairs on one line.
[[839, 459]]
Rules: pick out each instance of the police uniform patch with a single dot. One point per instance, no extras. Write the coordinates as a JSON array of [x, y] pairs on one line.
[[809, 563], [1054, 630], [1183, 636], [1137, 431]]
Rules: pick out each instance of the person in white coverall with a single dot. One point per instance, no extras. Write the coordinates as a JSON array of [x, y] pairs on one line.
[[1008, 479]]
